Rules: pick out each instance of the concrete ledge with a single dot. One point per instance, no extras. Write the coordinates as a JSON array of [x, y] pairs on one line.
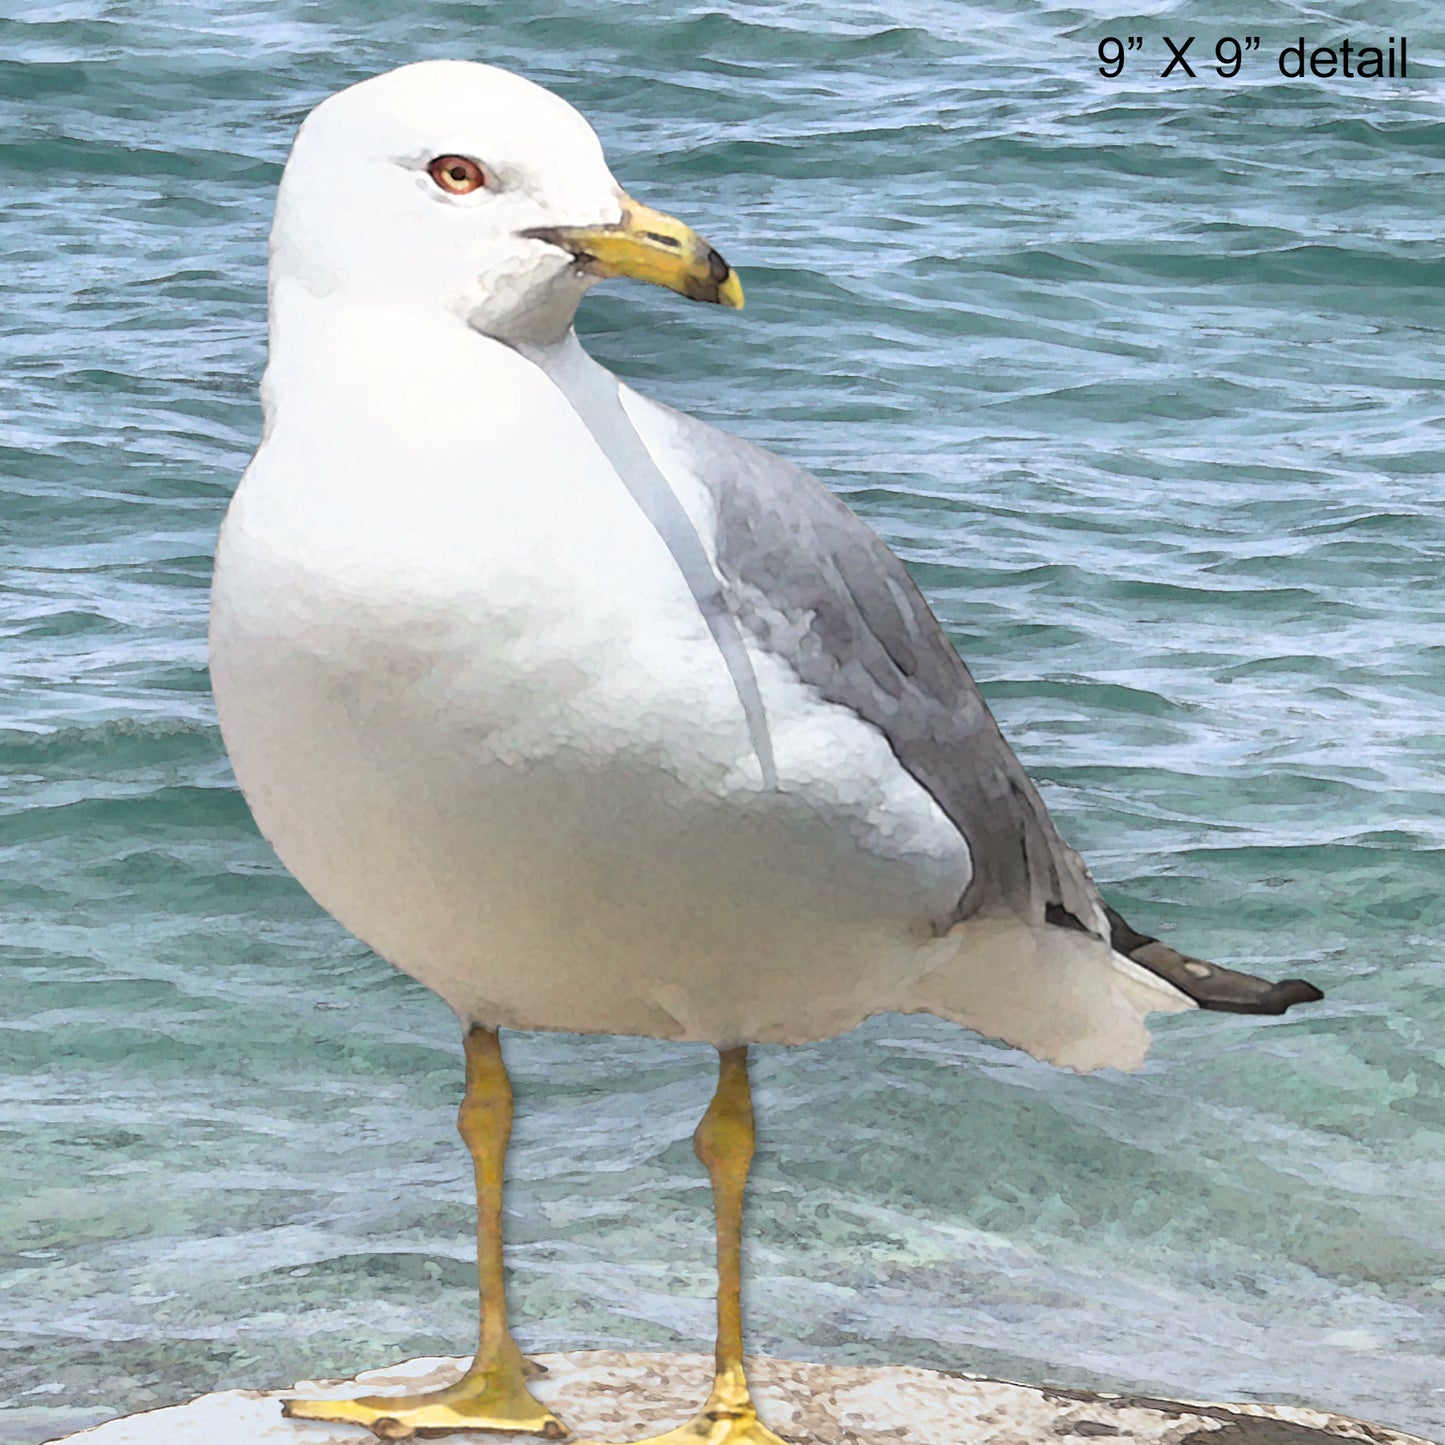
[[610, 1395]]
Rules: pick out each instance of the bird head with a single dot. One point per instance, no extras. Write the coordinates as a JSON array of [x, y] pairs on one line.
[[461, 186]]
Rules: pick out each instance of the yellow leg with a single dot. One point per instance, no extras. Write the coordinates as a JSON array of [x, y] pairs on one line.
[[492, 1394], [724, 1143]]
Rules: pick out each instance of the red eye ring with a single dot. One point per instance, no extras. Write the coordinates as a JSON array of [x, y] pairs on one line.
[[457, 175]]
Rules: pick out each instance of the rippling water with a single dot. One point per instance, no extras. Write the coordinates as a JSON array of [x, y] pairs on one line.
[[1142, 378]]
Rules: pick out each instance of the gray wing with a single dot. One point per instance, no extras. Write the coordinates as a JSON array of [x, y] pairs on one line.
[[811, 582]]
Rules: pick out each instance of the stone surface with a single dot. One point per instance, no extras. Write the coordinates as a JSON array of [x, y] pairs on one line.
[[609, 1395]]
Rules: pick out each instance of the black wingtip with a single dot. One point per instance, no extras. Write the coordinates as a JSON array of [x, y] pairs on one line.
[[1275, 1000], [1210, 985]]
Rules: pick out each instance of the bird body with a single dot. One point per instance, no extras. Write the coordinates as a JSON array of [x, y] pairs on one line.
[[478, 712], [510, 759]]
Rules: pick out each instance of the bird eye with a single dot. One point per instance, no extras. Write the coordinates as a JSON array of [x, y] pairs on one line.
[[457, 175]]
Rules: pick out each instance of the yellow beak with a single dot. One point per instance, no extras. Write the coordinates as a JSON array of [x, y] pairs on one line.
[[651, 247]]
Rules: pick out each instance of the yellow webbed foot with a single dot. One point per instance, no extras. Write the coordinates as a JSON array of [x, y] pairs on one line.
[[713, 1427], [494, 1400], [728, 1418]]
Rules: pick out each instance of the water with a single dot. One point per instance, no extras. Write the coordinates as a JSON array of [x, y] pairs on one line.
[[1142, 377]]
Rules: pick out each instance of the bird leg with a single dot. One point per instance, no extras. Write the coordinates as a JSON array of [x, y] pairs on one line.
[[492, 1394], [724, 1143]]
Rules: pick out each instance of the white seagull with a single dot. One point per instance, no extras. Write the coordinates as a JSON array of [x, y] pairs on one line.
[[590, 716]]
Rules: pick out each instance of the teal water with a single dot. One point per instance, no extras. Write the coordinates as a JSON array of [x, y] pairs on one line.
[[1143, 379]]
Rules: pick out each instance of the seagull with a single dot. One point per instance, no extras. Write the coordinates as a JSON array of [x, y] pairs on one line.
[[593, 717]]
